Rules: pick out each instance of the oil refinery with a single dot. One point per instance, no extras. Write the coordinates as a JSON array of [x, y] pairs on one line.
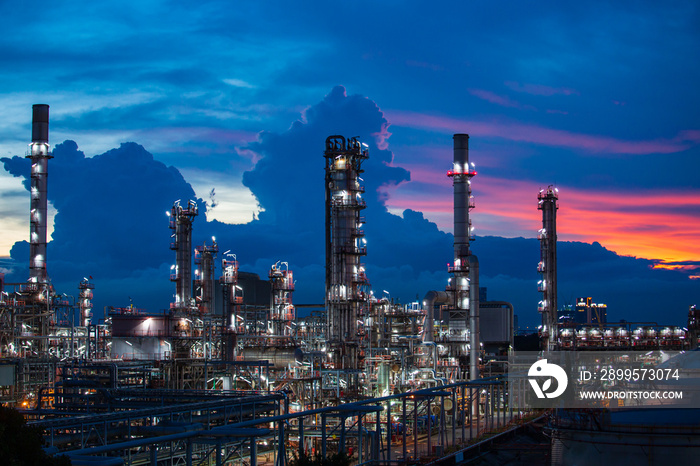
[[231, 373]]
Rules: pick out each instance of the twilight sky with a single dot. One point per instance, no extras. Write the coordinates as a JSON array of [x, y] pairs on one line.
[[599, 99]]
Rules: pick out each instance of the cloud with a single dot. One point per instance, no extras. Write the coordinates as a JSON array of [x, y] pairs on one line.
[[239, 83], [658, 224], [540, 89], [110, 211], [631, 287], [288, 182], [503, 101], [111, 224], [621, 221]]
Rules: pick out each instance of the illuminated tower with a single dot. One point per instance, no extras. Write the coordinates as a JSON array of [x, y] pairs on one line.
[[281, 308], [346, 287], [229, 284], [85, 296], [231, 323], [38, 220], [547, 203], [204, 275], [181, 219], [464, 283]]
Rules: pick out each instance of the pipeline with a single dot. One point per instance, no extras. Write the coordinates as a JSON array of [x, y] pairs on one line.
[[474, 331], [431, 298]]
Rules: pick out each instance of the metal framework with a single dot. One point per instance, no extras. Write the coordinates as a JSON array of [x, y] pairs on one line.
[[181, 219], [347, 288], [240, 428], [282, 316], [85, 288], [204, 258]]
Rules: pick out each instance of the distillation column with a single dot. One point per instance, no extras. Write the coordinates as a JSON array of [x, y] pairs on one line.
[[40, 155], [229, 286], [347, 289], [281, 307], [85, 297], [463, 285], [181, 219], [547, 203], [204, 257]]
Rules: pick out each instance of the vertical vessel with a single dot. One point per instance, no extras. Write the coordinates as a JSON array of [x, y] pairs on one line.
[[463, 285], [39, 155], [346, 287], [181, 219], [547, 267]]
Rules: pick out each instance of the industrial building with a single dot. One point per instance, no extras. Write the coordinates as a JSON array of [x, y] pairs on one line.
[[231, 350]]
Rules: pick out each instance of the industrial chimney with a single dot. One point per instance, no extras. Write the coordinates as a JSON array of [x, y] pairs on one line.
[[547, 203], [464, 283], [38, 217]]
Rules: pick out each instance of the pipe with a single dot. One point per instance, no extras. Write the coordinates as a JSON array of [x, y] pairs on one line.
[[474, 332], [438, 380], [431, 298], [435, 352]]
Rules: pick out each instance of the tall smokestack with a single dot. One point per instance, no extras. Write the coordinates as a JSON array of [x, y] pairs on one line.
[[461, 175], [464, 313], [38, 217], [547, 203], [40, 123]]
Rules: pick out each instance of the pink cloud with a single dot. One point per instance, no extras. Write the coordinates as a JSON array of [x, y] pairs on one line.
[[655, 224], [503, 101], [540, 89], [544, 136], [381, 137], [692, 135]]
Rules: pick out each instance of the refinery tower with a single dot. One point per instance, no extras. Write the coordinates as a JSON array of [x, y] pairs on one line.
[[346, 284], [40, 155]]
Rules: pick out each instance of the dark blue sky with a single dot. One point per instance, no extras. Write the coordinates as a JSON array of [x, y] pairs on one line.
[[598, 98]]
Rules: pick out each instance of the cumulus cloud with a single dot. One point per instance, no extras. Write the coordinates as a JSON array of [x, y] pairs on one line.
[[111, 211], [288, 182], [111, 224]]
